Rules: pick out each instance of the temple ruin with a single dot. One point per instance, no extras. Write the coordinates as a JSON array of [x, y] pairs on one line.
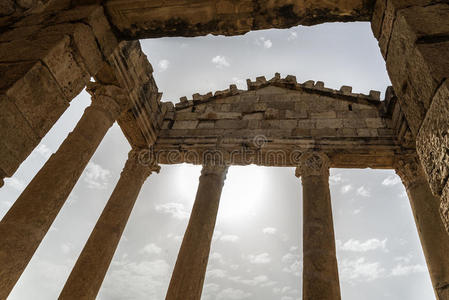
[[50, 50]]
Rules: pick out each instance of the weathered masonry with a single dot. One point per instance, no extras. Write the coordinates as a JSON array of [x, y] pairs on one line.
[[50, 49]]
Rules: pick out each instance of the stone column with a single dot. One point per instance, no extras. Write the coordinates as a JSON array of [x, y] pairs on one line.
[[320, 271], [433, 236], [88, 273], [26, 223], [188, 276]]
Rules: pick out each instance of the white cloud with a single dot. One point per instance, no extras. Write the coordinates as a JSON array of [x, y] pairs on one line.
[[215, 256], [176, 210], [391, 180], [362, 191], [144, 280], [292, 36], [293, 264], [65, 248], [269, 230], [151, 249], [267, 44], [360, 270], [358, 246], [163, 65], [346, 188], [43, 150], [262, 41], [258, 280], [229, 238], [220, 61], [404, 270], [15, 183], [262, 258], [356, 211], [96, 176], [335, 179], [216, 273], [232, 294]]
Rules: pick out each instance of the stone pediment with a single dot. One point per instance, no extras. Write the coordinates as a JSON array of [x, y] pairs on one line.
[[282, 115]]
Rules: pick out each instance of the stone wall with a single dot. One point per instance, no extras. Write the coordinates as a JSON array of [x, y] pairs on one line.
[[414, 39], [281, 115]]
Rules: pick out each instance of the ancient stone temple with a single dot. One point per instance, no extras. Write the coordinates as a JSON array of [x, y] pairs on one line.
[[50, 50]]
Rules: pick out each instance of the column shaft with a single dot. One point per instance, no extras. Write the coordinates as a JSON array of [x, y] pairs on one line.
[[432, 234], [88, 273], [188, 276], [26, 223], [320, 270]]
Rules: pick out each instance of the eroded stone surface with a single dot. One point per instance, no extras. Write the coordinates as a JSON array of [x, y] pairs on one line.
[[147, 19]]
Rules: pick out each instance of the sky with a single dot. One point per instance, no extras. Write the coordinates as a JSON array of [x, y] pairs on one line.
[[256, 251]]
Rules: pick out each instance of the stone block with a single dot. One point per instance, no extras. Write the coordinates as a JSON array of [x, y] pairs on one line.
[[260, 106], [324, 132], [374, 123], [254, 116], [182, 116], [39, 98], [307, 124], [300, 132], [70, 76], [288, 124], [432, 143], [271, 113], [268, 124], [291, 114], [88, 48], [367, 132], [323, 115], [329, 123], [206, 125], [231, 124], [11, 72], [352, 132], [254, 124], [185, 124], [354, 123]]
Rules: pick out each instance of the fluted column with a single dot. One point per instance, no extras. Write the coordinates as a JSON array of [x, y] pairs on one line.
[[320, 270], [188, 276], [88, 273], [26, 223], [432, 234]]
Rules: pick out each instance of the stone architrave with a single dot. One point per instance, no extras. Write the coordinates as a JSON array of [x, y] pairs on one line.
[[190, 269], [28, 220], [88, 273], [320, 270], [432, 234]]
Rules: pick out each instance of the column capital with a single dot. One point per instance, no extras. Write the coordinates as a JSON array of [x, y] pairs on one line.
[[313, 164], [140, 163], [409, 169], [109, 98], [211, 168]]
